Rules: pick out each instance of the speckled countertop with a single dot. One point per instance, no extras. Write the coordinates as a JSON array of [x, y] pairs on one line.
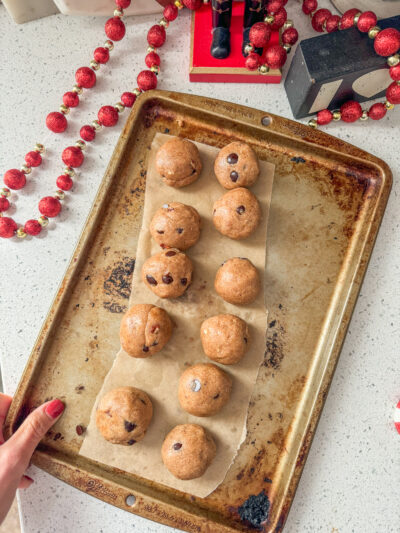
[[351, 479]]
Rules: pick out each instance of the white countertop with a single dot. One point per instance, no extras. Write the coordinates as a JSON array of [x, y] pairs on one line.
[[351, 479]]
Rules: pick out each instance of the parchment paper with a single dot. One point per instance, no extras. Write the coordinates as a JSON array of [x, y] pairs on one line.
[[159, 374]]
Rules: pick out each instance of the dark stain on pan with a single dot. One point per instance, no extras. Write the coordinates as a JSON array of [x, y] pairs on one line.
[[255, 510], [114, 307], [274, 353], [298, 160], [118, 282]]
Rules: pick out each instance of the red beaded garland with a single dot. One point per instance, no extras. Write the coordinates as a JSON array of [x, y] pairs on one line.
[[156, 36], [259, 34], [32, 227], [318, 19], [49, 206], [290, 36], [4, 204], [128, 99], [332, 23], [170, 12], [115, 29], [123, 4], [146, 80], [108, 116], [366, 21], [14, 179], [393, 93], [280, 17], [56, 122], [64, 182], [87, 133], [193, 5], [309, 6], [152, 59], [101, 55], [387, 42], [350, 111], [377, 111], [71, 99], [347, 20], [33, 158], [85, 77], [275, 56], [252, 61], [324, 117], [395, 72], [72, 156], [7, 227]]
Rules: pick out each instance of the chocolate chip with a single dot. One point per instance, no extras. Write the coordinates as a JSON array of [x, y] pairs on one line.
[[177, 446], [241, 209], [151, 280], [167, 279], [179, 230], [216, 396], [183, 281], [129, 426], [170, 253], [155, 343], [80, 430], [145, 348], [195, 385], [141, 399], [232, 159], [160, 231], [130, 442], [245, 339], [234, 176]]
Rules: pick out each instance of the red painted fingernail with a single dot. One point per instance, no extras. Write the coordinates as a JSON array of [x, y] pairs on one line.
[[54, 408], [29, 478]]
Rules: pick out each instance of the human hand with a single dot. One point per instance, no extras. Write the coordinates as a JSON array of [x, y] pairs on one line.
[[16, 453]]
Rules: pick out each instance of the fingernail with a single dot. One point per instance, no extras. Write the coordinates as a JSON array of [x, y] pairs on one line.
[[29, 478], [54, 408]]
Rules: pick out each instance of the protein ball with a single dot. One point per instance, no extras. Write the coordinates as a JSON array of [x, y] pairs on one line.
[[178, 162], [176, 225], [237, 213], [225, 338], [236, 165], [168, 274], [237, 281]]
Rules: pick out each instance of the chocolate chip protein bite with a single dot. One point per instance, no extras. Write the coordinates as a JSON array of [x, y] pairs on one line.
[[145, 330], [168, 274], [176, 225], [123, 415], [236, 165], [237, 213], [178, 162], [187, 451], [204, 389], [237, 281], [225, 338]]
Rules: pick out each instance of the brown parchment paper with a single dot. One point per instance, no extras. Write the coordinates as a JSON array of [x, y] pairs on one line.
[[159, 374]]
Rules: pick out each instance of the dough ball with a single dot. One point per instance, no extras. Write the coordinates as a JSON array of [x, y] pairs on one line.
[[204, 389], [176, 225], [145, 330], [188, 450], [178, 162], [225, 338], [237, 281], [168, 274], [237, 213], [236, 165], [123, 415]]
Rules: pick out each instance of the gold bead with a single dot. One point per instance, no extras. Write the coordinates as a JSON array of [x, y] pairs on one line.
[[155, 69], [151, 49], [287, 47], [248, 48], [5, 192], [313, 123], [364, 115], [269, 19], [109, 45], [96, 124], [80, 144], [373, 32], [206, 2], [136, 92], [94, 65], [39, 148], [178, 4], [59, 194], [26, 169], [356, 18], [21, 234], [288, 24], [393, 60], [336, 115], [64, 109], [389, 106], [69, 171], [43, 221], [263, 69], [118, 12], [119, 106], [77, 89], [164, 22]]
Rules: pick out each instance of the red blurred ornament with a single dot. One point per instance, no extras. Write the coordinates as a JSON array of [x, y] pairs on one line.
[[350, 111], [366, 21], [275, 56], [332, 23], [115, 29], [193, 4], [108, 116], [32, 227], [33, 159], [395, 72], [387, 42], [71, 99], [87, 133], [152, 59], [49, 206], [101, 55], [146, 80], [377, 111], [123, 4], [128, 99], [56, 122], [347, 20], [319, 18], [393, 93], [252, 61], [4, 204], [324, 117], [274, 5], [85, 77], [7, 227], [14, 179], [72, 156], [309, 6], [280, 17], [170, 12], [64, 182], [259, 34], [290, 36], [156, 36]]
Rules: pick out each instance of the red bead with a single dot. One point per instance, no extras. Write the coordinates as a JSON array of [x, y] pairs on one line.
[[56, 122], [108, 116], [49, 206], [170, 12], [387, 42], [332, 23], [14, 179], [347, 20], [275, 56], [123, 4], [101, 55], [393, 93], [146, 80], [309, 6], [395, 73], [193, 4], [71, 99], [274, 5], [85, 77], [324, 117], [280, 17], [252, 61], [152, 59], [128, 99], [377, 111], [32, 227], [7, 227], [64, 182], [366, 21], [350, 111], [319, 18], [4, 204], [33, 159], [87, 133], [115, 29], [156, 36], [260, 34], [290, 36], [72, 156]]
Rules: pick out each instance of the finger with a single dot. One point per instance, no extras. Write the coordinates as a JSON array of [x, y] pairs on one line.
[[5, 402], [25, 482]]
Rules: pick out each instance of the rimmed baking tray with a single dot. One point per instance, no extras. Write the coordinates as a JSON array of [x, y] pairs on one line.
[[328, 201]]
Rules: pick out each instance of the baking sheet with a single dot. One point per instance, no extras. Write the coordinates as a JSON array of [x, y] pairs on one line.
[[159, 375]]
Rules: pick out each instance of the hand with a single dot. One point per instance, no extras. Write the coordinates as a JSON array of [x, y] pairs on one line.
[[16, 453]]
